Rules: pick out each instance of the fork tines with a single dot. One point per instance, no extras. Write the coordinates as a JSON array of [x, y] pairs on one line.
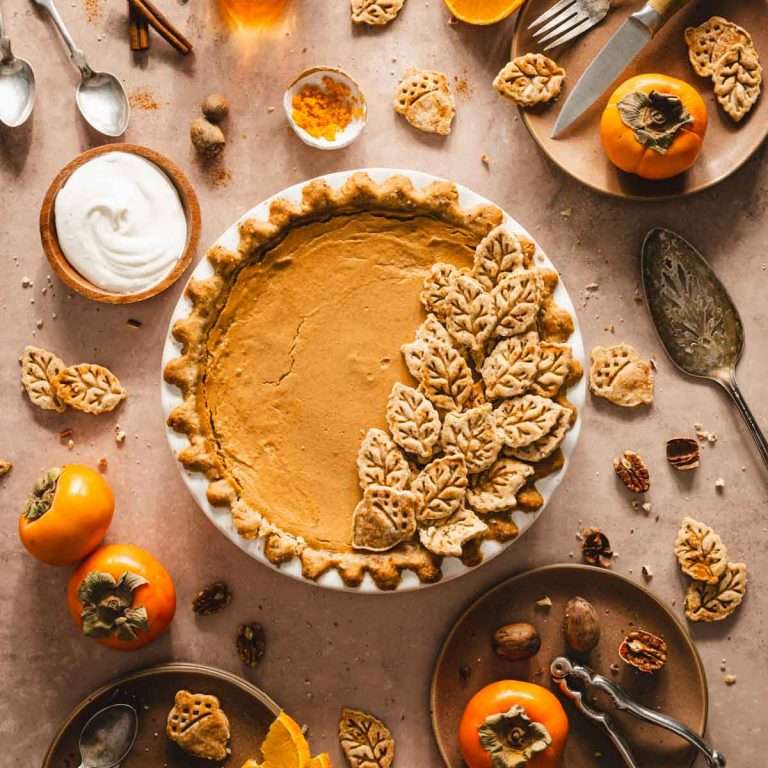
[[565, 20]]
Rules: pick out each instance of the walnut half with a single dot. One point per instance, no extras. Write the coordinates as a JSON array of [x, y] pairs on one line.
[[644, 651]]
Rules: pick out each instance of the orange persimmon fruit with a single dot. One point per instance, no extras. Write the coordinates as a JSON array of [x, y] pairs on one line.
[[122, 597], [482, 12], [659, 138], [540, 706]]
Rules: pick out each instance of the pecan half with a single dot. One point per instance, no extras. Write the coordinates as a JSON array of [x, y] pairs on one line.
[[595, 548], [683, 453], [212, 599], [644, 651], [251, 644], [632, 471]]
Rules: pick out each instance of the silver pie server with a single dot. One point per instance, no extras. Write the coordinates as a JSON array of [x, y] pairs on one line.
[[696, 320], [17, 84], [100, 96], [108, 737]]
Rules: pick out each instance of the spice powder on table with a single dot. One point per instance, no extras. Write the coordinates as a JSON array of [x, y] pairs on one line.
[[324, 111]]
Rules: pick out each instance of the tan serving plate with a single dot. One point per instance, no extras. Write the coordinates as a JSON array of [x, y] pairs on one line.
[[727, 146], [69, 274], [679, 690], [151, 691]]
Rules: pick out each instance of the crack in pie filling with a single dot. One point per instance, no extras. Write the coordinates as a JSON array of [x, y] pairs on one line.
[[326, 440]]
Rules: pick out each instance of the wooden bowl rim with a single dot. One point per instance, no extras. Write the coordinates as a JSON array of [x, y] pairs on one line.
[[69, 275]]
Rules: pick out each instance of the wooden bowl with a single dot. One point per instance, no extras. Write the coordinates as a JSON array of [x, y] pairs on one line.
[[59, 261]]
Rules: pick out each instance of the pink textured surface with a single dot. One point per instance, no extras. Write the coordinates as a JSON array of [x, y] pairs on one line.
[[329, 649]]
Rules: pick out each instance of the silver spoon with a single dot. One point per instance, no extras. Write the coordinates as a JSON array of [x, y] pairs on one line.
[[101, 98], [17, 84], [108, 737], [695, 317]]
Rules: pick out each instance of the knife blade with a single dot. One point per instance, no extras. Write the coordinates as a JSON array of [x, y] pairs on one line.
[[625, 44]]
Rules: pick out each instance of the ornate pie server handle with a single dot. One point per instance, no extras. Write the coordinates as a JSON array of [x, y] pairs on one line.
[[729, 385], [562, 668]]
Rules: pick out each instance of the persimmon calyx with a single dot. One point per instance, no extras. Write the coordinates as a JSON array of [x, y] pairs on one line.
[[655, 118], [512, 738], [40, 500], [108, 609]]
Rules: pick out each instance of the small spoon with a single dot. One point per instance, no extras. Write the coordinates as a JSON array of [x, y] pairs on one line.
[[695, 317], [17, 84], [101, 98], [108, 737]]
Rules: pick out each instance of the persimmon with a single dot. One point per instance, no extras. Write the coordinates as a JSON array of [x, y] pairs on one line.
[[67, 514], [482, 12], [122, 597], [513, 715], [654, 126]]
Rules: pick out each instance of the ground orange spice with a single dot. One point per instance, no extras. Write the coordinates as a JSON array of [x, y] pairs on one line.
[[325, 111], [93, 9], [142, 98]]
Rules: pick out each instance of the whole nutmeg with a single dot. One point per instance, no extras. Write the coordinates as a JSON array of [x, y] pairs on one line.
[[215, 107], [516, 642], [207, 138], [581, 626]]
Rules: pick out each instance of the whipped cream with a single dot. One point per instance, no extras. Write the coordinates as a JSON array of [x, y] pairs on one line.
[[120, 222]]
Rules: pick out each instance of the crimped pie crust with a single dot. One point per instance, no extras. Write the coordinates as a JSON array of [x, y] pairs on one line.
[[396, 195]]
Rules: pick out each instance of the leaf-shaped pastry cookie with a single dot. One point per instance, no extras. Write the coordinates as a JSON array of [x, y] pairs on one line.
[[445, 376], [381, 462], [436, 286], [709, 41], [501, 252], [470, 313], [476, 396], [38, 369], [413, 352], [385, 517], [365, 740], [375, 12], [517, 298], [449, 537], [619, 375], [524, 420], [553, 370], [473, 435], [88, 387], [511, 367], [495, 490], [441, 485], [547, 445], [700, 551], [530, 79], [738, 77], [714, 602], [424, 98], [413, 421]]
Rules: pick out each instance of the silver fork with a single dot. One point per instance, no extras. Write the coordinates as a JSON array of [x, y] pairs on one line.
[[567, 19]]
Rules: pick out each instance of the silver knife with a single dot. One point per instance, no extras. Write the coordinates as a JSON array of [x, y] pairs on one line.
[[633, 35]]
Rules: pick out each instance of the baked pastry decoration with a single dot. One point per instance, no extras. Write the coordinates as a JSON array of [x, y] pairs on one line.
[[394, 462], [425, 100], [725, 52], [530, 80], [38, 370], [375, 12], [198, 725], [619, 375]]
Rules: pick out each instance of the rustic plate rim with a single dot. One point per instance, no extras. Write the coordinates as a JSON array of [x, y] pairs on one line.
[[704, 686], [50, 241], [155, 670]]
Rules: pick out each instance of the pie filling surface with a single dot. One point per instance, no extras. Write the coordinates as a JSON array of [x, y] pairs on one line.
[[304, 355]]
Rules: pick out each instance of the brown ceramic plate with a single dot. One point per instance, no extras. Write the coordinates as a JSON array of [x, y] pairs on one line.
[[467, 662], [150, 692], [579, 152], [69, 274]]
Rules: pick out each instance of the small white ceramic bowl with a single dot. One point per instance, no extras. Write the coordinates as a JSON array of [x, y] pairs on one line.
[[314, 76]]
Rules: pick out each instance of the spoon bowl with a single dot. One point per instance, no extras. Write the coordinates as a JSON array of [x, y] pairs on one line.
[[103, 103], [17, 85], [108, 737]]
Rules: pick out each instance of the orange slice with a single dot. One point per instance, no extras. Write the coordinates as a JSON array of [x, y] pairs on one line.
[[482, 11], [285, 745], [323, 760]]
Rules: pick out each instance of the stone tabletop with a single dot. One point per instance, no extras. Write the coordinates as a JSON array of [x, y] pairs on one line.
[[328, 649]]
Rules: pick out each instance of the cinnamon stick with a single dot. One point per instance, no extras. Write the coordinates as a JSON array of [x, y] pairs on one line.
[[162, 26], [138, 29]]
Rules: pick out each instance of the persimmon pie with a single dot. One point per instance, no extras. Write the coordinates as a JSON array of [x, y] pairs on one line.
[[374, 379]]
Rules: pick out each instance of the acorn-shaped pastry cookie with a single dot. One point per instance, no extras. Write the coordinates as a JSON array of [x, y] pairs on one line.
[[198, 725]]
